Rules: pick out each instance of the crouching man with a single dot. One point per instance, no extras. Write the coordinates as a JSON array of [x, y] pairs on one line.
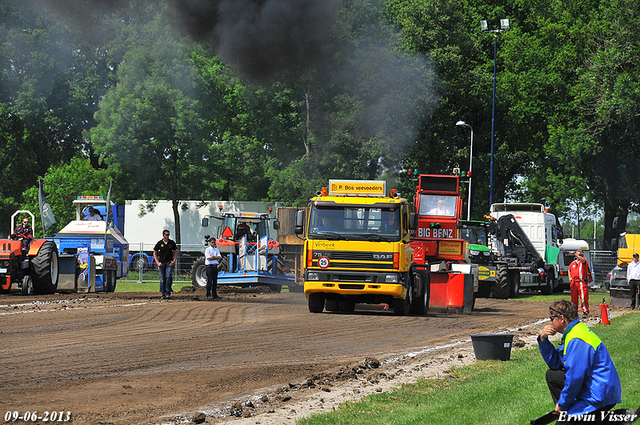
[[582, 378]]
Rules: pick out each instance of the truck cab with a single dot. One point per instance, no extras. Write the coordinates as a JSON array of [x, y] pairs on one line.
[[357, 249]]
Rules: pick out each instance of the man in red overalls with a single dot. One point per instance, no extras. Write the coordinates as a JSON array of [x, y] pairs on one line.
[[580, 279]]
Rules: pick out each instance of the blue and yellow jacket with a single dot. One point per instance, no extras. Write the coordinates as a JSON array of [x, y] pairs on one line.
[[591, 380]]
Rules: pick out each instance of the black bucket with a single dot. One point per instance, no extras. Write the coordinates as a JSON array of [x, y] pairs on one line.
[[492, 346]]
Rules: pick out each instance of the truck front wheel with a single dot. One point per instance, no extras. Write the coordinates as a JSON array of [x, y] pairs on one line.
[[501, 287], [316, 303], [401, 306], [421, 302]]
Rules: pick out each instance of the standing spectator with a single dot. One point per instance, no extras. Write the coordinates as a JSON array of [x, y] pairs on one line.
[[580, 279], [633, 278], [581, 377], [24, 233], [165, 253], [212, 258]]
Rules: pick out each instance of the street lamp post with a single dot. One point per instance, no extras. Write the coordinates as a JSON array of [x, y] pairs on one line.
[[464, 124], [504, 26]]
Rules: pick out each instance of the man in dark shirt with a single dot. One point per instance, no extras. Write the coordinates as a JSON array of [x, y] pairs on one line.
[[24, 233], [165, 253]]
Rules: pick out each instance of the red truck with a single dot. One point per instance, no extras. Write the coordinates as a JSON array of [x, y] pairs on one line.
[[439, 252]]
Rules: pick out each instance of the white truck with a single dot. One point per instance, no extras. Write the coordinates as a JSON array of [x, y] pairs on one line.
[[545, 234]]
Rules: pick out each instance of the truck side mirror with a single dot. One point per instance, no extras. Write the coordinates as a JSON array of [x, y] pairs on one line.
[[413, 221], [205, 222], [299, 222], [276, 225]]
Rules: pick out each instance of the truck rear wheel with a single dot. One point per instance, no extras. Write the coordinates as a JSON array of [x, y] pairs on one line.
[[346, 306], [501, 287], [514, 283], [316, 303], [44, 269], [331, 305], [199, 274]]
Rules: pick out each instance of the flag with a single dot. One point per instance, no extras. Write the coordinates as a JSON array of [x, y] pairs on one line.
[[48, 219], [108, 207]]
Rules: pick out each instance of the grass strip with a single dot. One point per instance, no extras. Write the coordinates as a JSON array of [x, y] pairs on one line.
[[489, 392]]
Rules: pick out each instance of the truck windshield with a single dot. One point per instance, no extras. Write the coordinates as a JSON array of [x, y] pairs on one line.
[[357, 223], [440, 205]]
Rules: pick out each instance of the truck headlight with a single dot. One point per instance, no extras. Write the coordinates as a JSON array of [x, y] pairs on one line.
[[313, 276], [487, 253], [474, 252], [391, 278]]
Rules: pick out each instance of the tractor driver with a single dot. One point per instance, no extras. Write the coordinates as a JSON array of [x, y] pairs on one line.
[[24, 233], [242, 230]]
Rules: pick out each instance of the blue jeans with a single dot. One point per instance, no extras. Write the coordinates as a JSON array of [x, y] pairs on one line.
[[166, 278]]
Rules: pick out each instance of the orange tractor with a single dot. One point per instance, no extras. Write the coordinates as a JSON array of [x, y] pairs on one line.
[[34, 269]]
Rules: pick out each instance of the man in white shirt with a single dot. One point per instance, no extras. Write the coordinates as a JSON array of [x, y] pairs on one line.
[[441, 209], [633, 278]]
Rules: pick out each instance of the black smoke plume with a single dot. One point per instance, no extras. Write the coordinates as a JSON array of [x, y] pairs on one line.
[[262, 38]]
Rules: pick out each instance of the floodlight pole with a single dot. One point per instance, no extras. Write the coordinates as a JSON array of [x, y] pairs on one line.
[[464, 124], [504, 26]]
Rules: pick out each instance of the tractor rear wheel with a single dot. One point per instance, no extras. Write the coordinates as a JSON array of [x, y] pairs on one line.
[[44, 269], [199, 274]]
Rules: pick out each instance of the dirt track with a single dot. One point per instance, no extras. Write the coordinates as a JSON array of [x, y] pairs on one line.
[[134, 359]]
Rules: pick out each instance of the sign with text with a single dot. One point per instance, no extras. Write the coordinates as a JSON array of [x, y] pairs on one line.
[[357, 187]]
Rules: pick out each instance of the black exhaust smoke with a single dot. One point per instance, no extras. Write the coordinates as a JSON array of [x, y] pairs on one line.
[[264, 39]]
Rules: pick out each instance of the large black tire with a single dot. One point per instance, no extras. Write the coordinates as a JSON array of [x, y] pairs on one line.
[[420, 304], [401, 306], [138, 262], [331, 305], [346, 306], [501, 287], [27, 286], [547, 285], [316, 303], [111, 281], [44, 269], [514, 283], [199, 274]]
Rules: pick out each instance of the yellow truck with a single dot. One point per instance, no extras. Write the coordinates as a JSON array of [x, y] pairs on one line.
[[357, 249]]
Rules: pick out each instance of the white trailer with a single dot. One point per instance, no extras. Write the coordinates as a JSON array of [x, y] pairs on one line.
[[143, 226]]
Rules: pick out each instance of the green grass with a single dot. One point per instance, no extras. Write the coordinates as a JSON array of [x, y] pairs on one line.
[[489, 392], [595, 297]]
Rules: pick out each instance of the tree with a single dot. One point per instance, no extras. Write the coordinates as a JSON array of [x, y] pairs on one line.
[[149, 128]]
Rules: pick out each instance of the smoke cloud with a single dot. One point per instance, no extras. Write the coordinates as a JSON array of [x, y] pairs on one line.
[[262, 38]]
